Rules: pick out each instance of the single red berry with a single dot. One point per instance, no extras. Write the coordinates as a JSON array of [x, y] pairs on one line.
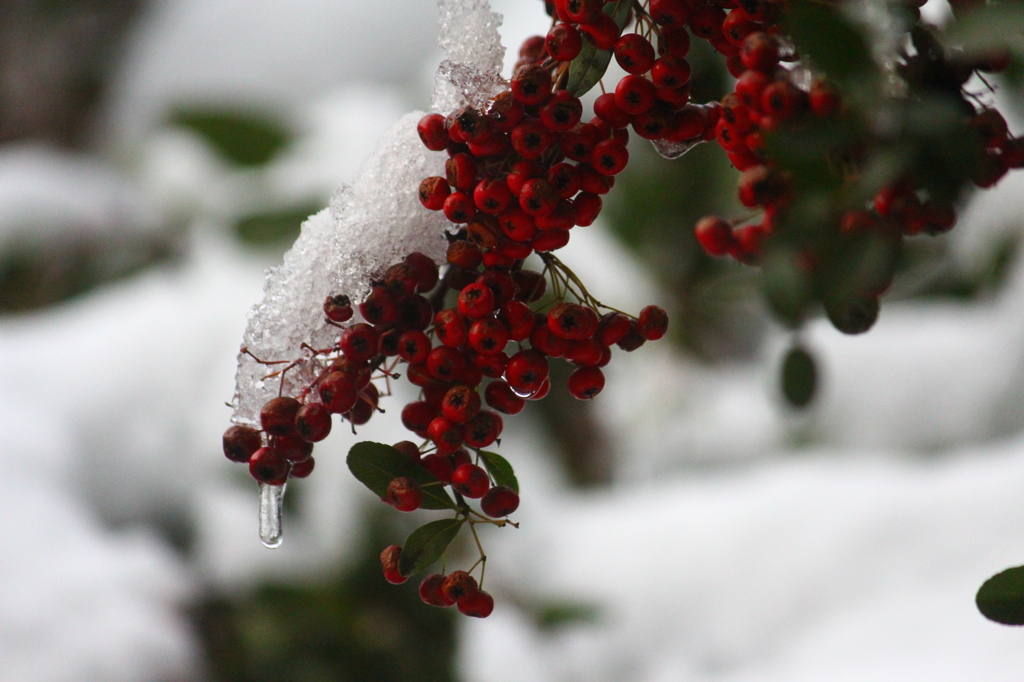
[[432, 130], [579, 144], [313, 422], [585, 352], [445, 363], [602, 33], [675, 41], [611, 328], [459, 207], [526, 371], [359, 342], [446, 434], [499, 396], [531, 138], [492, 196], [563, 42], [457, 585], [426, 271], [401, 279], [268, 466], [380, 307], [338, 308], [500, 501], [389, 562], [532, 49], [478, 605], [278, 416], [476, 300], [440, 466], [292, 448], [634, 53], [493, 365], [531, 84], [561, 112], [500, 283], [413, 346], [461, 172], [471, 481], [652, 323], [409, 449], [405, 494], [609, 158], [538, 197], [517, 225], [483, 429], [433, 192], [714, 234], [430, 591], [460, 404], [824, 99], [586, 382], [545, 340], [632, 340], [488, 336], [518, 320], [586, 208], [362, 411], [240, 442], [671, 72], [450, 327], [759, 51], [706, 22], [414, 312], [568, 320], [302, 469], [338, 392], [417, 416], [634, 94]]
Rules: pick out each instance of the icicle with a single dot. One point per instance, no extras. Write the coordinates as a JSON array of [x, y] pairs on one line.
[[673, 150], [271, 506]]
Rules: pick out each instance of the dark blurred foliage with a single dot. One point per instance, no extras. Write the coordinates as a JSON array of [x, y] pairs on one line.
[[354, 626]]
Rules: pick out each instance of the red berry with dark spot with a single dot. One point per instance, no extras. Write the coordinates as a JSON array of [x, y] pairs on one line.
[[478, 605], [446, 434], [609, 158], [426, 270], [568, 320], [634, 94], [278, 416], [460, 404], [450, 328], [476, 300], [433, 192], [338, 308], [389, 562], [293, 448], [359, 342], [440, 466], [471, 481], [586, 382], [499, 396], [500, 501], [670, 12], [445, 363], [405, 494], [531, 84], [563, 42], [634, 53], [483, 429], [488, 336], [652, 323], [457, 585], [492, 196], [430, 591], [268, 466], [526, 371], [433, 131], [240, 442], [611, 328], [602, 33]]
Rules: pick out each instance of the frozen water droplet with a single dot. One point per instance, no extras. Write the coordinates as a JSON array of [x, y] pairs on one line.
[[271, 506], [673, 150]]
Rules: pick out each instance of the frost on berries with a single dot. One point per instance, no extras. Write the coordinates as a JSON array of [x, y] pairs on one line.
[[369, 225]]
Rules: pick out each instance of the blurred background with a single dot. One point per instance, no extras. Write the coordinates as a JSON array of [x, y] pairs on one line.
[[157, 155]]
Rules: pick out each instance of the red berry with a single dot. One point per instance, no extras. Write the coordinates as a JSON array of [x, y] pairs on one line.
[[426, 271], [500, 501], [538, 197], [675, 41], [563, 42], [483, 429], [488, 336], [568, 320], [278, 416], [492, 196], [561, 112], [499, 396], [444, 363], [433, 192], [611, 328], [446, 434], [457, 585], [380, 307], [670, 12], [585, 352], [706, 22], [476, 300], [240, 442], [714, 234], [652, 323], [409, 449], [526, 371], [359, 342], [492, 366], [634, 94], [268, 466], [432, 130], [602, 33], [586, 382], [634, 53], [531, 139], [405, 494], [389, 562], [478, 604], [338, 308], [430, 591], [439, 465], [292, 448], [302, 469], [460, 404], [531, 84], [546, 341], [471, 481], [610, 157]]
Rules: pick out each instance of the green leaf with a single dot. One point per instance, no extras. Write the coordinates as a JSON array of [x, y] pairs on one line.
[[241, 138], [1001, 598], [832, 43], [269, 227], [426, 544], [799, 377], [375, 465], [591, 63], [500, 469]]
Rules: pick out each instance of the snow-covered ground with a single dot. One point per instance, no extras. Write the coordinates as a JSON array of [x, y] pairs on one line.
[[740, 542]]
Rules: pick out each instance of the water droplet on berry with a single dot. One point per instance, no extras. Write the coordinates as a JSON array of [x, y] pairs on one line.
[[271, 506]]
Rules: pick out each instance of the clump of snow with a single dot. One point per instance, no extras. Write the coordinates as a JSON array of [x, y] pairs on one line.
[[368, 226]]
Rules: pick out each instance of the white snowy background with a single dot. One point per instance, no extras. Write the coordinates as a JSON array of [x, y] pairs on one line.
[[724, 551]]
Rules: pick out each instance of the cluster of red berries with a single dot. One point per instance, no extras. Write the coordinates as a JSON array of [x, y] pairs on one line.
[[457, 588], [768, 97]]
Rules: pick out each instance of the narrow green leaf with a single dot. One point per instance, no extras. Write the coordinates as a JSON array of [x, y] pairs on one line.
[[426, 544], [375, 465], [241, 138], [799, 377], [591, 63], [500, 469], [1001, 597]]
